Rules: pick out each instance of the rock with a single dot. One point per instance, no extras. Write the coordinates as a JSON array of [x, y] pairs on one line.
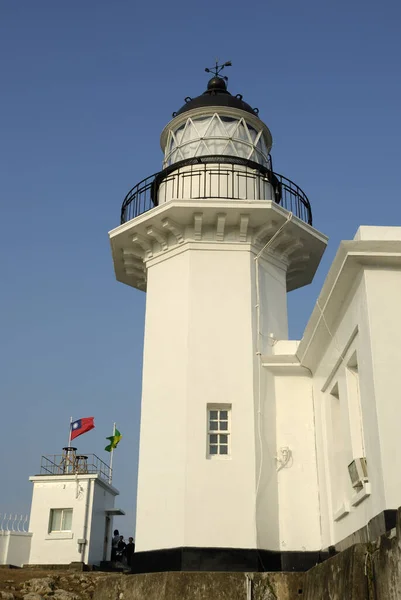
[[6, 596], [64, 595], [40, 586]]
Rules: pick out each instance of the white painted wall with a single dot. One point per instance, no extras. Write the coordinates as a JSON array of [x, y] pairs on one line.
[[273, 325], [220, 370], [103, 499], [334, 437], [360, 303], [298, 495], [267, 508], [89, 497], [14, 548], [200, 340], [3, 548], [161, 471], [329, 413], [383, 293]]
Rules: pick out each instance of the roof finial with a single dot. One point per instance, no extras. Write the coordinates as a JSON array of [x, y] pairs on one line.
[[216, 70]]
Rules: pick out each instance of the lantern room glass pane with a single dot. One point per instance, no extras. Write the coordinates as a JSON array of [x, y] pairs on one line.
[[216, 135]]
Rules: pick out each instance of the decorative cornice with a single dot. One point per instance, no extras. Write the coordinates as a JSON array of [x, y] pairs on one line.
[[351, 259], [241, 225]]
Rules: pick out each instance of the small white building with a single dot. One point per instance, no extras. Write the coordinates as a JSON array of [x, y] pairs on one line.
[[256, 452], [72, 510]]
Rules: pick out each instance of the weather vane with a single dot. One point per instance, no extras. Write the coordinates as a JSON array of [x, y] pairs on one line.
[[216, 70]]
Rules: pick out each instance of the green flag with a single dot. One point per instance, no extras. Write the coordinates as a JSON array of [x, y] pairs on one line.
[[114, 439]]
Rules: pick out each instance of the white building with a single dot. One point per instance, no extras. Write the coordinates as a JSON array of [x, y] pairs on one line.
[[72, 511], [248, 440]]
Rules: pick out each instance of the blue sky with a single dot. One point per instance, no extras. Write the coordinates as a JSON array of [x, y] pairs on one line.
[[86, 88]]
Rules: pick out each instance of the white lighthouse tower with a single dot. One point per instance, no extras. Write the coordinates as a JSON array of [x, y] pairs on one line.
[[216, 240]]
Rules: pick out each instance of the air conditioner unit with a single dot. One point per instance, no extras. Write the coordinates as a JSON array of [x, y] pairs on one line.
[[358, 472]]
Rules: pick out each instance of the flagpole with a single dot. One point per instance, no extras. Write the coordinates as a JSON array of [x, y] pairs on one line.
[[111, 457], [69, 433], [67, 452]]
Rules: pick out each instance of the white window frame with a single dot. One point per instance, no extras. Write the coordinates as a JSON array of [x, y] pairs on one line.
[[62, 519], [218, 432]]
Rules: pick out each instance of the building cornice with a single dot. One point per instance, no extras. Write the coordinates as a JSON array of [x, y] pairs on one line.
[[64, 478], [351, 259], [215, 224]]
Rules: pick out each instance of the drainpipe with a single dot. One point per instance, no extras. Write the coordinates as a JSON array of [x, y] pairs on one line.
[[83, 542]]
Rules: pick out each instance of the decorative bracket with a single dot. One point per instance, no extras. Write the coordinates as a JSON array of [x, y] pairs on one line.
[[243, 227], [198, 218], [158, 235], [267, 230], [220, 225], [143, 243], [296, 245], [174, 228]]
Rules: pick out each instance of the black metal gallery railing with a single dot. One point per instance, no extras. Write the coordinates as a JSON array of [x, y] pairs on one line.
[[64, 464], [226, 177]]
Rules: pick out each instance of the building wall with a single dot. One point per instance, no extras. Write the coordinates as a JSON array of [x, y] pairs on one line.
[[85, 495], [383, 293], [161, 469], [298, 495], [14, 548], [220, 371], [335, 401], [352, 346], [344, 431], [103, 499], [200, 340]]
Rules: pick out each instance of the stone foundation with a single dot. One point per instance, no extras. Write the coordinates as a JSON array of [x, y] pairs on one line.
[[201, 586]]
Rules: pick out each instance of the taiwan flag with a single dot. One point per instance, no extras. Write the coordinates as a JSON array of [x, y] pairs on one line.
[[82, 426]]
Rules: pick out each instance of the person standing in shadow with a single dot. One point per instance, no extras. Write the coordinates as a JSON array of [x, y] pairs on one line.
[[129, 551], [114, 545]]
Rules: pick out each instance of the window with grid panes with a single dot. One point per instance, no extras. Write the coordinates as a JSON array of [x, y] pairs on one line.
[[218, 430], [60, 519]]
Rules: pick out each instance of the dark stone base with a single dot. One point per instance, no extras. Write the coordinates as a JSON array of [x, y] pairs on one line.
[[73, 566], [376, 527], [224, 559], [246, 560]]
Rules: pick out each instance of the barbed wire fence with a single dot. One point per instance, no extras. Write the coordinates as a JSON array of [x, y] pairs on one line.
[[11, 522]]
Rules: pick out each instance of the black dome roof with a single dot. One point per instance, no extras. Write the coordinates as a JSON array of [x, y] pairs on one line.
[[216, 95]]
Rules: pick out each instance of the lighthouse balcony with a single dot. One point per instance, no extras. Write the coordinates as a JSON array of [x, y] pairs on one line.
[[70, 463], [211, 177]]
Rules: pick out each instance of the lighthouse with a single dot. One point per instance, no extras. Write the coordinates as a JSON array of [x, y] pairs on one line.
[[216, 239]]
